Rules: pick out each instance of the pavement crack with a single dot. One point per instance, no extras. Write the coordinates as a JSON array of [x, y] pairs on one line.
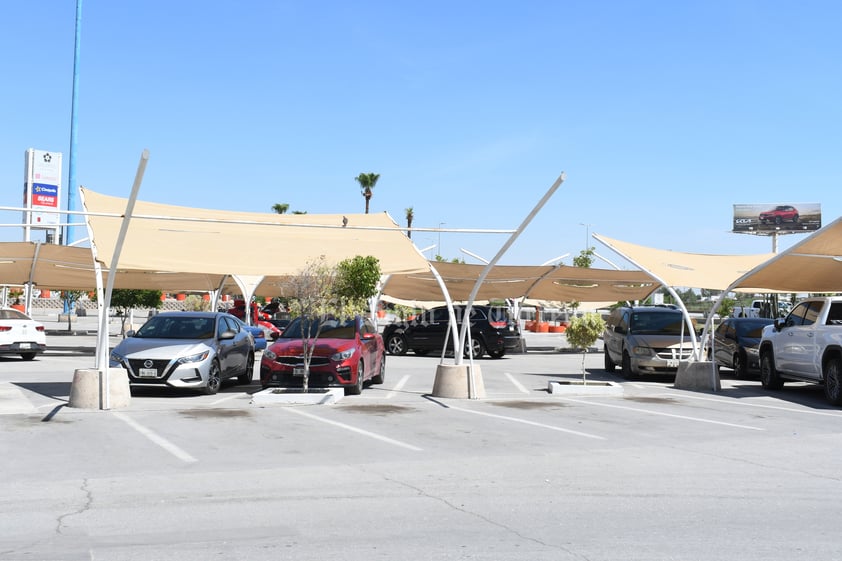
[[86, 505], [485, 519]]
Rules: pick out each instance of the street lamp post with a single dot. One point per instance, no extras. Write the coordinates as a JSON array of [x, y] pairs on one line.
[[439, 249], [587, 233]]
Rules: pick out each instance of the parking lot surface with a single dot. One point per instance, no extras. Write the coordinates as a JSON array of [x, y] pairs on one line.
[[655, 473]]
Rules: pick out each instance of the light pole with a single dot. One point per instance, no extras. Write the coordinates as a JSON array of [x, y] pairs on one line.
[[439, 250], [587, 233]]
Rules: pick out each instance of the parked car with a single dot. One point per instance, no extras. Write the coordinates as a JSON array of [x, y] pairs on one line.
[[346, 354], [736, 341], [492, 332], [805, 346], [258, 319], [257, 332], [190, 350], [779, 214], [646, 340], [21, 335]]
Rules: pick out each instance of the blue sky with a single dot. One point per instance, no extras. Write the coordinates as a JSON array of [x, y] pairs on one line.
[[662, 114]]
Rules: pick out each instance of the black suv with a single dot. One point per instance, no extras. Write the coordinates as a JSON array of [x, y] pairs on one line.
[[492, 331]]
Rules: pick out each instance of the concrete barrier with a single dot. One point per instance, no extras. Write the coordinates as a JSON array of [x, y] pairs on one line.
[[699, 376], [452, 381], [87, 389]]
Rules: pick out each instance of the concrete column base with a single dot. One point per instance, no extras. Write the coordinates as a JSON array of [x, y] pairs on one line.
[[86, 391], [452, 381], [698, 376]]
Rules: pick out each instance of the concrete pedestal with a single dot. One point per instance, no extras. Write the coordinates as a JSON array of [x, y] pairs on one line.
[[452, 381], [698, 376], [88, 389]]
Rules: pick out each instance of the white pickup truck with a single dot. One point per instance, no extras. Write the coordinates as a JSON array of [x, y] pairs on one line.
[[805, 346]]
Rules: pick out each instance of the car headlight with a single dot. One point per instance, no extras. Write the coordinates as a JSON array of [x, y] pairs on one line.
[[640, 350], [752, 351], [193, 358], [269, 354], [342, 355], [116, 358]]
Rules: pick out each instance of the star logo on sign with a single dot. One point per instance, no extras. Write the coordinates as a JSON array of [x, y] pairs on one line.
[[47, 158]]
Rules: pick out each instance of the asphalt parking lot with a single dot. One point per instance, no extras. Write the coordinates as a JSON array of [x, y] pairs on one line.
[[656, 473]]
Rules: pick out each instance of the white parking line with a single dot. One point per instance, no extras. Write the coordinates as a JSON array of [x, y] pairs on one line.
[[525, 422], [354, 429], [398, 387], [761, 406], [516, 384], [159, 440], [686, 418], [229, 398]]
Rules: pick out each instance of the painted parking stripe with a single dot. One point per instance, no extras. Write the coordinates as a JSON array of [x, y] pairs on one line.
[[398, 387], [762, 406], [355, 429], [525, 422], [516, 384], [157, 439], [660, 413], [13, 401]]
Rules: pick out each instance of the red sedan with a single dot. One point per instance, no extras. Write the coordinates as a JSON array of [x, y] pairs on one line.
[[347, 354]]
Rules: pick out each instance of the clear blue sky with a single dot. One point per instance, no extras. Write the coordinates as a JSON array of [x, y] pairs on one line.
[[663, 114]]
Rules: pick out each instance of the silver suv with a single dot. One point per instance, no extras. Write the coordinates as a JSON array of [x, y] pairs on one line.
[[646, 340]]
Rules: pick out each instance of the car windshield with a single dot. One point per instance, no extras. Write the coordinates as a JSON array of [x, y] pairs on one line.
[[330, 329], [176, 327], [753, 329], [667, 323]]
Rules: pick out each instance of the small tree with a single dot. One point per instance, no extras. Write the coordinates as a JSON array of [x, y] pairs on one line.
[[585, 258], [321, 291], [583, 332], [125, 299], [71, 297], [194, 303], [410, 216]]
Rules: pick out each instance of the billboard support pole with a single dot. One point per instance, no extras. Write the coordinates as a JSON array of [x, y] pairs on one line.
[[774, 242]]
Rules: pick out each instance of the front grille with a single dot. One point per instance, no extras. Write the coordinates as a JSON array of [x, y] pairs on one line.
[[669, 354], [160, 365], [299, 360]]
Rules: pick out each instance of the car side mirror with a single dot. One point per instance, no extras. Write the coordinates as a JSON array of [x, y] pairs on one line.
[[274, 335], [619, 329], [130, 333], [779, 324], [229, 334]]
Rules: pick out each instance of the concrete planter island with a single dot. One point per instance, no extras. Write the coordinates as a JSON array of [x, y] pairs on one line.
[[578, 387], [297, 396]]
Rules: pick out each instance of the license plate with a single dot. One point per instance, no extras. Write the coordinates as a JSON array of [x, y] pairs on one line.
[[24, 345], [148, 373], [672, 363], [298, 371]]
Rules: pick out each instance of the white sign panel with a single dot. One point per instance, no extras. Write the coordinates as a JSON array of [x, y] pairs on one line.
[[42, 187]]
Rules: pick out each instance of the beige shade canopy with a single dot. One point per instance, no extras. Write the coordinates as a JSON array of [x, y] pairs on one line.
[[812, 265], [60, 267], [563, 284], [692, 270], [215, 242]]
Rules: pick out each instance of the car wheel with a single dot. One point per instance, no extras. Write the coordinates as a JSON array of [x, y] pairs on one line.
[[778, 220], [497, 354], [795, 219], [627, 367], [381, 374], [609, 364], [357, 388], [769, 377], [247, 376], [27, 356], [476, 346], [740, 365], [214, 379], [396, 344], [833, 381]]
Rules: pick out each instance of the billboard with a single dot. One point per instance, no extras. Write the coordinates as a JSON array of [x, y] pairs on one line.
[[777, 218], [42, 188]]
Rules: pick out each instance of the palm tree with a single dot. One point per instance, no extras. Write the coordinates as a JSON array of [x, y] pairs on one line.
[[280, 208], [409, 216], [367, 182]]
